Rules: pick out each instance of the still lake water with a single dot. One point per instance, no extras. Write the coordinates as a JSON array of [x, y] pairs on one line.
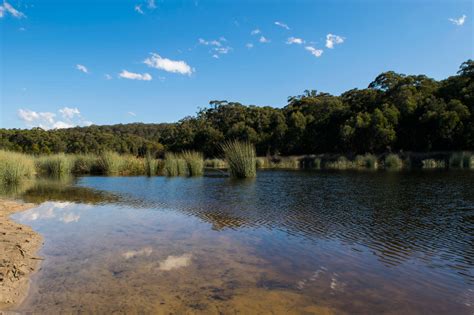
[[286, 243]]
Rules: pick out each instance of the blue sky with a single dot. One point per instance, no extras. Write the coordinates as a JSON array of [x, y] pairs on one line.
[[66, 63]]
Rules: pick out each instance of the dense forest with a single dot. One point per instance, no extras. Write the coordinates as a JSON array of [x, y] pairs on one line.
[[396, 112]]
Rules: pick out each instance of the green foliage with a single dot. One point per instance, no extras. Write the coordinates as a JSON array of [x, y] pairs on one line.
[[15, 167], [215, 163], [85, 164], [131, 165], [241, 158], [462, 160], [55, 166], [397, 112], [170, 167], [366, 161], [393, 162], [110, 163], [195, 162], [341, 163], [432, 163]]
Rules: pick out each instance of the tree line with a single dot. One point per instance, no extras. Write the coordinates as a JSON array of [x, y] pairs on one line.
[[396, 112]]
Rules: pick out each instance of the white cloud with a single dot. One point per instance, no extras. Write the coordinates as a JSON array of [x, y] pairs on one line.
[[132, 114], [315, 52], [215, 56], [210, 43], [295, 40], [281, 24], [82, 68], [108, 76], [174, 66], [69, 113], [249, 45], [218, 48], [138, 8], [332, 40], [135, 76], [263, 39], [71, 117], [459, 21], [255, 32], [8, 8]]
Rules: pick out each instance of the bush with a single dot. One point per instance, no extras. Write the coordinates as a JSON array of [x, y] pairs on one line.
[[15, 167], [241, 158], [393, 161]]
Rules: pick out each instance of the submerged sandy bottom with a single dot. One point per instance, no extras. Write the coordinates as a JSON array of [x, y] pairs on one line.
[[118, 260], [18, 254]]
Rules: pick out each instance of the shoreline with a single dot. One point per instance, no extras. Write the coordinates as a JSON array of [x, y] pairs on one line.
[[19, 246]]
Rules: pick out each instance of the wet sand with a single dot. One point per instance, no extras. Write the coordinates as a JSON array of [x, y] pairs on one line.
[[19, 245]]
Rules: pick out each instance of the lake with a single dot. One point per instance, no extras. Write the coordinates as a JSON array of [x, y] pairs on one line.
[[288, 242]]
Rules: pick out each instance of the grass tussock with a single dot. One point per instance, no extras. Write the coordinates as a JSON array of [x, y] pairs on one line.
[[85, 164], [151, 165], [432, 164], [194, 162], [170, 165], [110, 163], [215, 163], [55, 166], [393, 162], [462, 160], [367, 160], [15, 167], [241, 158]]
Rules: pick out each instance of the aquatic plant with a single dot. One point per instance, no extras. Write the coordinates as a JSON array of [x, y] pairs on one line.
[[151, 165], [56, 165], [182, 166], [462, 160], [432, 163], [366, 161], [194, 161], [241, 158], [84, 164], [341, 163], [393, 161], [215, 163], [110, 163], [170, 165], [15, 167]]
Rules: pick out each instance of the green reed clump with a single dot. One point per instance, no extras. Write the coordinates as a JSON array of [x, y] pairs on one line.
[[151, 165], [170, 165], [462, 160], [182, 166], [393, 161], [432, 163], [56, 165], [132, 165], [241, 158], [110, 163], [15, 167], [341, 163], [194, 161], [85, 164], [366, 161]]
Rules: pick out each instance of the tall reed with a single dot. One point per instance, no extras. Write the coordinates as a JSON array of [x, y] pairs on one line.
[[462, 160], [366, 161], [56, 165], [151, 165], [110, 163], [15, 167], [170, 165], [241, 158], [195, 162], [393, 162], [85, 164]]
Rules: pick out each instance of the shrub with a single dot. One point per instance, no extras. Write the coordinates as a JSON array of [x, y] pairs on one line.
[[241, 158], [393, 161], [15, 167]]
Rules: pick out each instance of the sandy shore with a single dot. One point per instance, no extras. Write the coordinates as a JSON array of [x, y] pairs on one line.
[[18, 259]]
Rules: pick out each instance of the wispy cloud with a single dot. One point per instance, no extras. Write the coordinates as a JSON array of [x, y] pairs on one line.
[[168, 65], [315, 52], [249, 45], [459, 21], [138, 8], [283, 25], [108, 76], [82, 68], [255, 32], [295, 40], [263, 40], [332, 40], [151, 4], [7, 8], [135, 76], [132, 114], [69, 117]]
